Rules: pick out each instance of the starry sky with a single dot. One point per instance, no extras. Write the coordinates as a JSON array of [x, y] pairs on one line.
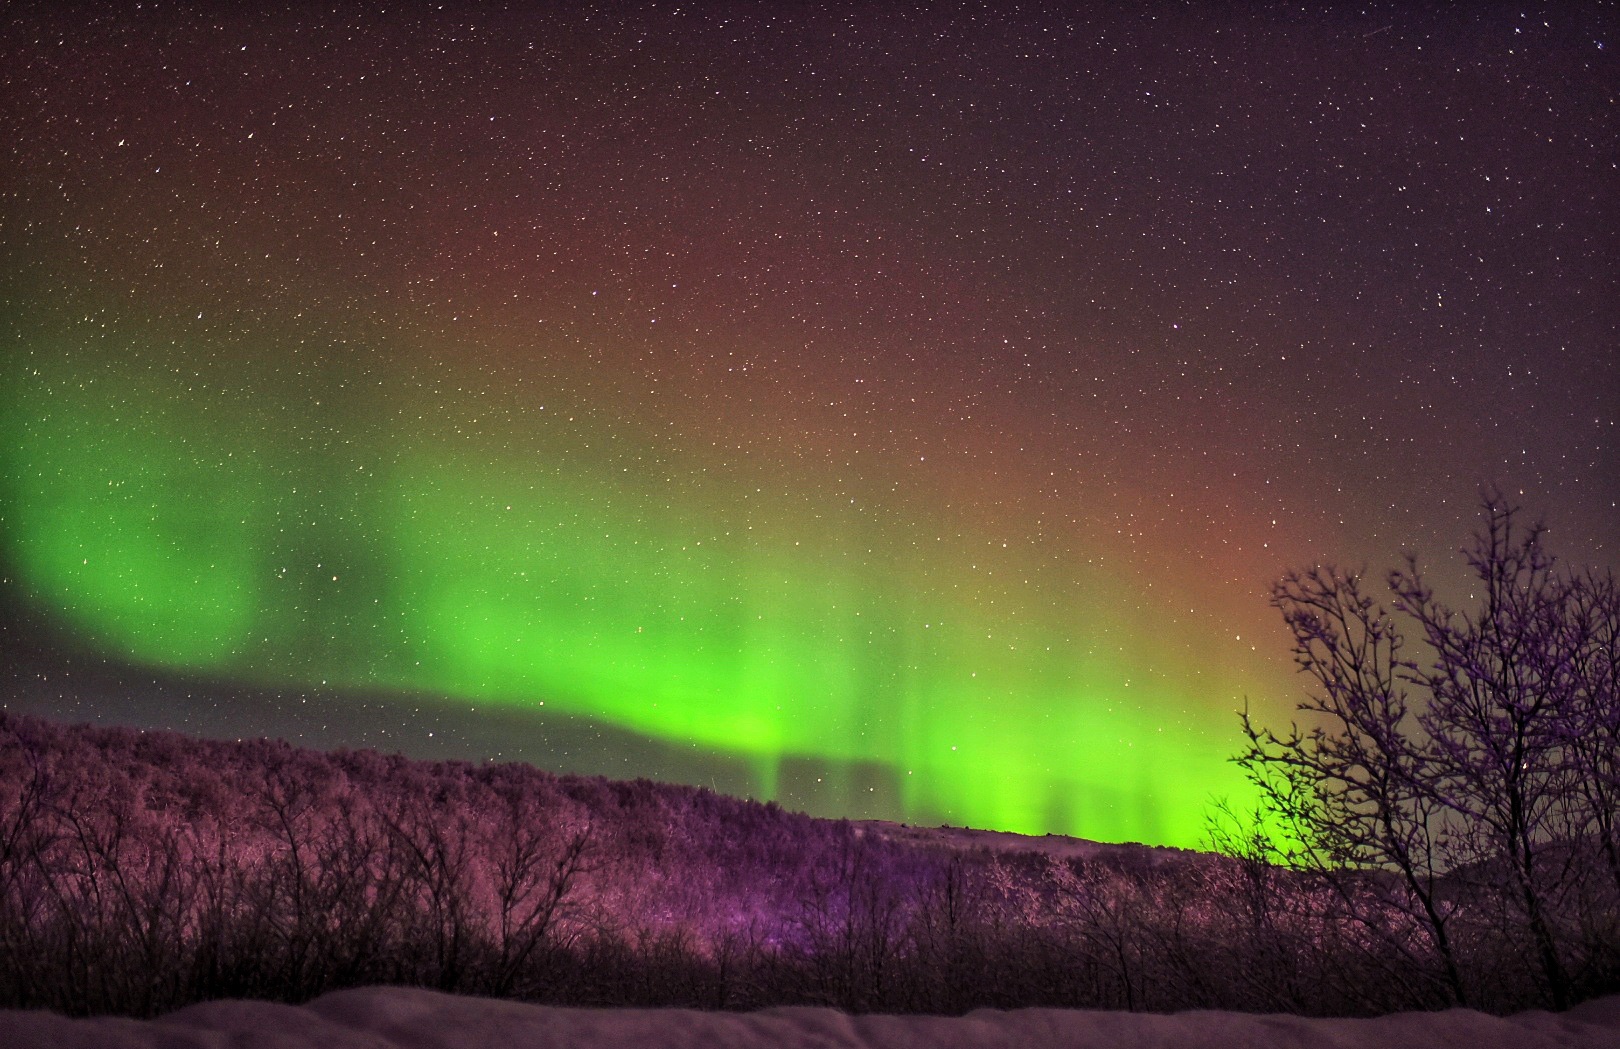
[[895, 412]]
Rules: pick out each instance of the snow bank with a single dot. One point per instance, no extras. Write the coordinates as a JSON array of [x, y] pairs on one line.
[[406, 1018]]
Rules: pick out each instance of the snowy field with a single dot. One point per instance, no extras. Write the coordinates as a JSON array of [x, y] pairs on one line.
[[401, 1018]]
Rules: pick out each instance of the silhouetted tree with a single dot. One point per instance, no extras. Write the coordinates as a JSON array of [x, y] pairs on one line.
[[1470, 780], [534, 859], [1350, 792]]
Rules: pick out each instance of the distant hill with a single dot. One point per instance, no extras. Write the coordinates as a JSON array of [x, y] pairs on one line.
[[142, 871]]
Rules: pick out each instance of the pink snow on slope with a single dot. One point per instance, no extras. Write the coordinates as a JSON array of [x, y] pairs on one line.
[[407, 1018]]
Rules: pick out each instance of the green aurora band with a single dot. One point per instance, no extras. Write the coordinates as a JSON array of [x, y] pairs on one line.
[[235, 521]]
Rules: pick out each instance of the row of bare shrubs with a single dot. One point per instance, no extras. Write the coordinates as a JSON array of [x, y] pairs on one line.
[[143, 871], [140, 872]]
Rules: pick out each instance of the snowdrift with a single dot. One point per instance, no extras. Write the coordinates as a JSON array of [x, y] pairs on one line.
[[408, 1018]]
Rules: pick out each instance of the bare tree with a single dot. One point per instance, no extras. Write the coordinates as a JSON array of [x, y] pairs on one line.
[[851, 919], [1591, 727], [1499, 698], [1349, 793], [534, 859], [1474, 776], [431, 837], [27, 833]]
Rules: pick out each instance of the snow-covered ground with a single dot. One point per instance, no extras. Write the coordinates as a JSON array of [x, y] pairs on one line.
[[402, 1018]]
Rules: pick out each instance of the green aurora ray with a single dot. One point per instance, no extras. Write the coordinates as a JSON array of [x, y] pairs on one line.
[[238, 523]]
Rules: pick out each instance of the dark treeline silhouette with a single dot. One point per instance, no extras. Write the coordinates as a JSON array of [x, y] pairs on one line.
[[1452, 794], [141, 871]]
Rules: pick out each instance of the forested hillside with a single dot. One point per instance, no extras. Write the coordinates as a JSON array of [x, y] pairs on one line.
[[141, 871]]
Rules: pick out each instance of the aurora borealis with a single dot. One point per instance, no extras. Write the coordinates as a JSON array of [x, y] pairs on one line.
[[905, 411]]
